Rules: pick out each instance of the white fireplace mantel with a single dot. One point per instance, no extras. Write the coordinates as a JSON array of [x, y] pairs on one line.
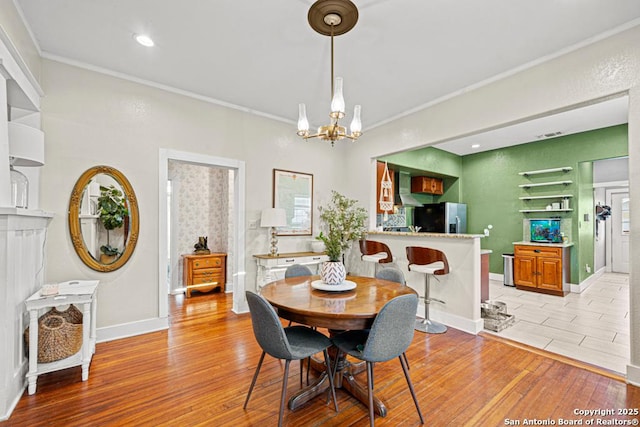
[[22, 266]]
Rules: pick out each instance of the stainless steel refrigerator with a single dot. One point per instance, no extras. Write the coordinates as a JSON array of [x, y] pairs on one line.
[[442, 217]]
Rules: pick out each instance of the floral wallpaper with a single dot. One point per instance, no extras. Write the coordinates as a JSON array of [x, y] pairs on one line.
[[200, 207]]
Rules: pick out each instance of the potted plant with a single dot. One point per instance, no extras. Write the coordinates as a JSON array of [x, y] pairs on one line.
[[112, 212], [343, 223]]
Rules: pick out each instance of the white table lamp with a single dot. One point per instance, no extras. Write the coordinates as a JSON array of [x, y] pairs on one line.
[[273, 217], [26, 148]]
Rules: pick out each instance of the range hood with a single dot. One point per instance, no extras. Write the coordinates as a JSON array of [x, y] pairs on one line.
[[408, 200], [403, 194]]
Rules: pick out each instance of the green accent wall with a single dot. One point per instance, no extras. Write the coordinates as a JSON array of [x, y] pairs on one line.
[[490, 188], [488, 183], [584, 228], [438, 163]]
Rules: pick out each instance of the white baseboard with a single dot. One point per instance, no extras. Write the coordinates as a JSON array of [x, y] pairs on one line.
[[461, 323], [497, 277], [126, 330], [633, 375], [579, 288], [14, 402]]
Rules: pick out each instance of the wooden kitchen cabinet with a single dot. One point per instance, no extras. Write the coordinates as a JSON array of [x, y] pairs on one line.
[[541, 268], [427, 184], [204, 273]]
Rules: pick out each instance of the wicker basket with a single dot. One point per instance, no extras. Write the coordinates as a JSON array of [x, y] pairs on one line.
[[59, 334]]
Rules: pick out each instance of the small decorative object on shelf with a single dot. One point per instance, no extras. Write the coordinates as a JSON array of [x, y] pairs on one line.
[[49, 289], [201, 247]]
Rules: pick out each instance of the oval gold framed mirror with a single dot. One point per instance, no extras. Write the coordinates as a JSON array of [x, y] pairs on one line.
[[103, 218]]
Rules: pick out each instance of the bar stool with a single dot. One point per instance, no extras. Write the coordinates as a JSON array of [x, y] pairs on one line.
[[430, 262], [376, 252]]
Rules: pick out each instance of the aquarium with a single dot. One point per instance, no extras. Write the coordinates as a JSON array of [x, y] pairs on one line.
[[545, 230]]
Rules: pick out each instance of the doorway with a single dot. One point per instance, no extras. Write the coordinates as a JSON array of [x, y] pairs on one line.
[[611, 188], [200, 202], [619, 232], [236, 212]]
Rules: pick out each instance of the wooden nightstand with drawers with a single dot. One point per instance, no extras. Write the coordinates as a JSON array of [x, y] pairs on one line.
[[204, 273]]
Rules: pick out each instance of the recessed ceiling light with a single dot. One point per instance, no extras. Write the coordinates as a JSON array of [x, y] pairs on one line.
[[144, 40], [475, 146]]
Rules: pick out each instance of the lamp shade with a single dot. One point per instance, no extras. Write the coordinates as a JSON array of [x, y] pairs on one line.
[[273, 217], [26, 145]]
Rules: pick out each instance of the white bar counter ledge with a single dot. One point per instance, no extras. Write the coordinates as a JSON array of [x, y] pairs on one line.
[[460, 289]]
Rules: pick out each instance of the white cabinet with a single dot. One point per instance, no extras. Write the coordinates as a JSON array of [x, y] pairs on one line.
[[272, 268], [82, 294]]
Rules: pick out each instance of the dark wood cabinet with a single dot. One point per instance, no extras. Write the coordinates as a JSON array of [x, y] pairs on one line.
[[427, 184]]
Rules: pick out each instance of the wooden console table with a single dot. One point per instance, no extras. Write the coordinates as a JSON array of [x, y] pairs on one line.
[[204, 273], [269, 266], [81, 293]]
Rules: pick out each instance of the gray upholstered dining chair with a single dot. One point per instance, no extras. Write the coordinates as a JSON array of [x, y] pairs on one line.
[[389, 337], [297, 270], [291, 343], [393, 275]]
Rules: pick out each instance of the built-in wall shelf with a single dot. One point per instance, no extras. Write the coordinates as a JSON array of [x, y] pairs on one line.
[[545, 210], [541, 171], [535, 199], [545, 184], [551, 196]]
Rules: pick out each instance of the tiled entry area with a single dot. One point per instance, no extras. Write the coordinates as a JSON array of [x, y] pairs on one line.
[[592, 327]]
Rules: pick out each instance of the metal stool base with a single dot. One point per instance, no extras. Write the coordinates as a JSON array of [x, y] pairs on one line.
[[429, 326]]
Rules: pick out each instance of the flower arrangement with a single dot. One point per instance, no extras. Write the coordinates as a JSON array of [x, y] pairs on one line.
[[344, 222]]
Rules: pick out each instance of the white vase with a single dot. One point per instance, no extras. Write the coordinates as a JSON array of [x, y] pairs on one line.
[[333, 273]]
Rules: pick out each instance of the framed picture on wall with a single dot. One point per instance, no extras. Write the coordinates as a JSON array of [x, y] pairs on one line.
[[293, 192]]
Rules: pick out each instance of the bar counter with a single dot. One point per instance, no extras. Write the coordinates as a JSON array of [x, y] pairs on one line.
[[460, 289]]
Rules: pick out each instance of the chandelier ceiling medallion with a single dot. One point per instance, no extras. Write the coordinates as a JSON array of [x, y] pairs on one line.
[[332, 18]]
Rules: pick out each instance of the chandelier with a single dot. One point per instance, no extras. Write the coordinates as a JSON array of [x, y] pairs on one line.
[[332, 18]]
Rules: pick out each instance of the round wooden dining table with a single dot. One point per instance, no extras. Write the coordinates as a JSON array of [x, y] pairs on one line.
[[298, 299]]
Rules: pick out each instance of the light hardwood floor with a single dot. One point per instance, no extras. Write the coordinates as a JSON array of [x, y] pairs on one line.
[[198, 372], [592, 326]]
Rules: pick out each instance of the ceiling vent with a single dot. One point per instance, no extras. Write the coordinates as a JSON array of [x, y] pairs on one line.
[[549, 135]]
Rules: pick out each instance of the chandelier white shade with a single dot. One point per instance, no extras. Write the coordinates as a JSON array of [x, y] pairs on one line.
[[332, 17]]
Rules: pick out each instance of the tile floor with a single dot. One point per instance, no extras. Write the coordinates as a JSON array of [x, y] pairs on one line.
[[592, 326]]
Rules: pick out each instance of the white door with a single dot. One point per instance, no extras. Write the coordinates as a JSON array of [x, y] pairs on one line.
[[620, 232]]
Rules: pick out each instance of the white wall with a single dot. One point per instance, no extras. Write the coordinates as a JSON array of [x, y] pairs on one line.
[[606, 68], [92, 119]]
